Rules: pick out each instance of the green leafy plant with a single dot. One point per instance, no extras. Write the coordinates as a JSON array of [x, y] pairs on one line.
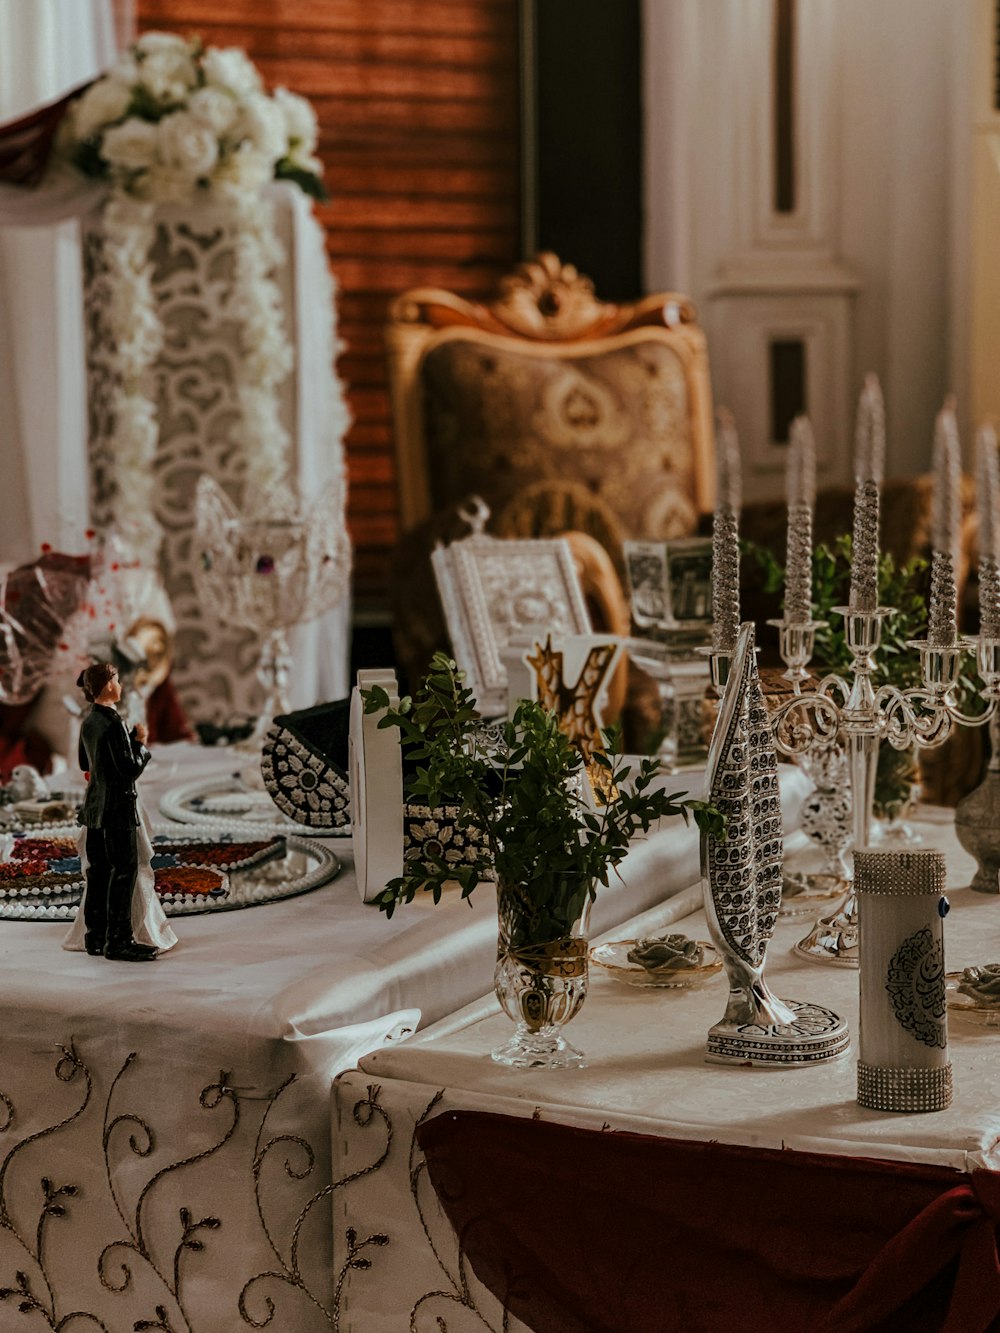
[[522, 790], [903, 587], [900, 586]]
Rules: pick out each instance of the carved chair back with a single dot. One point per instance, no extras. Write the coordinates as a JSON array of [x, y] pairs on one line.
[[548, 399]]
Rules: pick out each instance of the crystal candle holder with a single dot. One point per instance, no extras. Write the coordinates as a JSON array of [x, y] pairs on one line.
[[940, 666], [797, 639]]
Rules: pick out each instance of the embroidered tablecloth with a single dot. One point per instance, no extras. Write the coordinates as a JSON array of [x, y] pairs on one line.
[[165, 1128]]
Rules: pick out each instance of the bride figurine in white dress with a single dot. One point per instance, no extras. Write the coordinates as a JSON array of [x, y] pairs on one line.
[[149, 921], [126, 922]]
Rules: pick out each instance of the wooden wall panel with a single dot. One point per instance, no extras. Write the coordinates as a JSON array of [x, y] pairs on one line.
[[418, 108]]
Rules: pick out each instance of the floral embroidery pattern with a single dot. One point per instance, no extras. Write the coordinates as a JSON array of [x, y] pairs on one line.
[[158, 1261], [302, 784]]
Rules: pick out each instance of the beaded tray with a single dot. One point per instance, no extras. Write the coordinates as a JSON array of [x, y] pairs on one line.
[[194, 875], [205, 802], [40, 816]]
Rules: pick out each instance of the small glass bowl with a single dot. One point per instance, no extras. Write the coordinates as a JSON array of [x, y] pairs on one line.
[[613, 958], [986, 1015]]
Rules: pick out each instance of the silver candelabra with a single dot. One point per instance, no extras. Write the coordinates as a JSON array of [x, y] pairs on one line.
[[863, 716]]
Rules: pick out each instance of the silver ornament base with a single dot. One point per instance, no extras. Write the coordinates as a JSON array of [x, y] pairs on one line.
[[815, 1034], [834, 938]]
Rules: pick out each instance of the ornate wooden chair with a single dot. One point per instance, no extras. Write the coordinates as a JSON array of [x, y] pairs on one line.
[[564, 412], [547, 385]]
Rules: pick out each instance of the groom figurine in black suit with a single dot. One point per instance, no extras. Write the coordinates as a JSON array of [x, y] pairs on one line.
[[113, 758]]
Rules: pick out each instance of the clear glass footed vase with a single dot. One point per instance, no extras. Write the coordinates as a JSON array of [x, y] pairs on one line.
[[897, 793], [541, 973]]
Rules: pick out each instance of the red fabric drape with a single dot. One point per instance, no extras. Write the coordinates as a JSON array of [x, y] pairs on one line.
[[19, 743], [25, 143], [576, 1230], [165, 716]]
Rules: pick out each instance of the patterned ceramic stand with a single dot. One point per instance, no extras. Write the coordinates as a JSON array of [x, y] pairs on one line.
[[304, 766], [742, 878]]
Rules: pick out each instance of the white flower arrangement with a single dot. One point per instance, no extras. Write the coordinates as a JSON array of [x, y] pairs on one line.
[[173, 122], [172, 118]]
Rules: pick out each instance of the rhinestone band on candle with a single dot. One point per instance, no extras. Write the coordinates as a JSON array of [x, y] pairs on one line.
[[881, 1088]]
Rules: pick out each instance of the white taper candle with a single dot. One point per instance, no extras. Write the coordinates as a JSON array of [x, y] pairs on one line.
[[726, 536], [800, 486], [988, 505], [869, 458], [946, 518]]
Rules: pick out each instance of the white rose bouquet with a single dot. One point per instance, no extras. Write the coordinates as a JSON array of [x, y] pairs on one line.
[[172, 118]]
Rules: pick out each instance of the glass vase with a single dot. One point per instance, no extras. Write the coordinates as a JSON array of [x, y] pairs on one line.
[[897, 792], [827, 821], [541, 974]]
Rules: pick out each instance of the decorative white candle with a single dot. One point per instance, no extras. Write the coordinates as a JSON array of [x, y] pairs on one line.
[[800, 485], [903, 1060], [869, 460], [946, 516], [988, 504], [726, 536]]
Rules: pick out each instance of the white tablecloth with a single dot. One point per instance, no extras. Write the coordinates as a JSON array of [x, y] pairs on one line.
[[156, 1090], [646, 1074]]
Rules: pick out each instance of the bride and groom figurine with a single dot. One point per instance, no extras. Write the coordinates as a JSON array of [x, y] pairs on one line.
[[120, 916]]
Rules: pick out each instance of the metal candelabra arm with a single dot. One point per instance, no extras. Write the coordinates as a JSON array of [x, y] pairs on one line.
[[809, 720], [916, 716], [835, 688], [926, 714], [851, 708], [975, 719], [804, 723]]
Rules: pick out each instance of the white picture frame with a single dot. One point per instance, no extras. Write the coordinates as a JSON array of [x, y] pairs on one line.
[[493, 590]]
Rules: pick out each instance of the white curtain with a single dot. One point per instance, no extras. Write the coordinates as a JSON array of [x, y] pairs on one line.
[[46, 48]]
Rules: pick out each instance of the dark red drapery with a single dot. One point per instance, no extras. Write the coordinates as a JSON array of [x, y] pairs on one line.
[[578, 1231]]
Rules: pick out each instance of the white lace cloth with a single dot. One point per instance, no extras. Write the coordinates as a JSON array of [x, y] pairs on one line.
[[45, 433]]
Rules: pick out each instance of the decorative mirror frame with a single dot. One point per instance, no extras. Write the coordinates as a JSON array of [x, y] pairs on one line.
[[493, 589]]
